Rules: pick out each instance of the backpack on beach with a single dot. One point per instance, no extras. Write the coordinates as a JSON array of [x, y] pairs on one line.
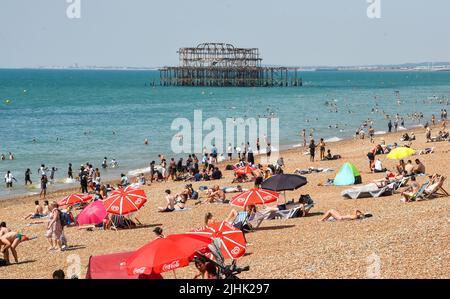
[[65, 218]]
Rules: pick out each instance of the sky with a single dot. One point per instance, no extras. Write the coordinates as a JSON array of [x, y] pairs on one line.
[[148, 33]]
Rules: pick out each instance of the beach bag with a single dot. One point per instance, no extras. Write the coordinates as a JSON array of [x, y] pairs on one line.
[[194, 195], [229, 167], [2, 262]]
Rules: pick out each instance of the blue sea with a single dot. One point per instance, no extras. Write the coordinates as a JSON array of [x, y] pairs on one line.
[[54, 117]]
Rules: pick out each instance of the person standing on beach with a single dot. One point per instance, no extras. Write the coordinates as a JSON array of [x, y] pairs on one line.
[[54, 228], [268, 151], [70, 172], [390, 126], [371, 134], [28, 177], [9, 179], [396, 125], [304, 137], [433, 119], [214, 154], [230, 152], [250, 156], [152, 171], [312, 150], [44, 182], [83, 181], [322, 149]]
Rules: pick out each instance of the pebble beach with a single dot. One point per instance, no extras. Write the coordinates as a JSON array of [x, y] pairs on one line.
[[408, 240]]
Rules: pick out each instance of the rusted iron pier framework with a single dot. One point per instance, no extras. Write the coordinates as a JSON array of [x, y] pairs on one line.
[[218, 64]]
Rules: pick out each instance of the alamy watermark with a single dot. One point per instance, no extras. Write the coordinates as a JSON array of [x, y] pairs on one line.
[[73, 266], [73, 11], [373, 263], [236, 134], [374, 9]]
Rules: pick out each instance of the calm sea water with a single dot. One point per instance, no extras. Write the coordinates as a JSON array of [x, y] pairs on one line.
[[72, 114]]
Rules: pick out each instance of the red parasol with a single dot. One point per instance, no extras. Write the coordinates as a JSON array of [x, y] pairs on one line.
[[232, 240], [74, 198], [166, 254], [254, 197], [125, 200]]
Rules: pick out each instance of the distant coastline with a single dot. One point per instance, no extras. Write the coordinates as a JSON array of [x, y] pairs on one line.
[[422, 66]]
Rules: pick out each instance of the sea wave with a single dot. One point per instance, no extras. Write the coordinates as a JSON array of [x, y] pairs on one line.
[[333, 139]]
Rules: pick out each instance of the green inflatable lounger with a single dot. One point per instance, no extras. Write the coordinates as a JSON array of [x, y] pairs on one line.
[[347, 175]]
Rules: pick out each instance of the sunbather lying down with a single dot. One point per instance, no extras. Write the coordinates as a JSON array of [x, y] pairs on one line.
[[428, 150], [335, 215], [236, 189]]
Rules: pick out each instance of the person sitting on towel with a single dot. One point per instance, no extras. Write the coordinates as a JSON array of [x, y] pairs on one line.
[[378, 166]]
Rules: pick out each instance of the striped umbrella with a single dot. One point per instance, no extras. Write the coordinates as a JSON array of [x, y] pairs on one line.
[[125, 200], [232, 240], [254, 197], [74, 198]]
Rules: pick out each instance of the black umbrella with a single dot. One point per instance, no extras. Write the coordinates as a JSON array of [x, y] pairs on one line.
[[284, 182]]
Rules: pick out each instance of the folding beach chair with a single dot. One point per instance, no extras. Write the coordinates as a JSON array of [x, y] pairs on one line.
[[419, 193], [286, 214], [388, 189], [437, 190], [257, 219]]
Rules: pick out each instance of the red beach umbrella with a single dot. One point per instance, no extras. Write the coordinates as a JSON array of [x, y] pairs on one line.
[[244, 170], [166, 254], [232, 240], [125, 200], [74, 198], [254, 197]]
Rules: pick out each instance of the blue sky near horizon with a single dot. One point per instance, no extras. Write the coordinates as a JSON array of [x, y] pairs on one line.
[[147, 33]]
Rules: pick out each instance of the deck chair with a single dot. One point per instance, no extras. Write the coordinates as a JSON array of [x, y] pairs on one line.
[[371, 190], [119, 221], [388, 189], [258, 218], [436, 190], [286, 214], [419, 193]]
